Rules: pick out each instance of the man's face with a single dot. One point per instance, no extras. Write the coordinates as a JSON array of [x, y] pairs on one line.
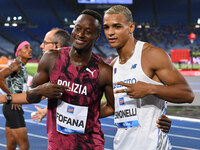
[[84, 33], [25, 52], [117, 30], [47, 43]]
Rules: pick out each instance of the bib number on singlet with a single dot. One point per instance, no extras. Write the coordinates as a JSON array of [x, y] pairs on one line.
[[125, 112], [70, 118]]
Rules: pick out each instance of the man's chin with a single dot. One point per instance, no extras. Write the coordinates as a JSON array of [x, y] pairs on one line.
[[78, 49]]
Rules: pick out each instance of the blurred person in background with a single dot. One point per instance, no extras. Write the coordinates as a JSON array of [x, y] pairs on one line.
[[55, 39], [3, 62], [13, 79]]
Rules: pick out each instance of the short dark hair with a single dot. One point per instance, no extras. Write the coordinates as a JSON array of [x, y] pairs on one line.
[[94, 14], [16, 46], [61, 36]]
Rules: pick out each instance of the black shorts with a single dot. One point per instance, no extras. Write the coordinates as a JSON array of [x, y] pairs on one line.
[[14, 118]]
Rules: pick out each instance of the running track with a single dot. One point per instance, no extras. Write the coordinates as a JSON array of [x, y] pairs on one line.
[[184, 134]]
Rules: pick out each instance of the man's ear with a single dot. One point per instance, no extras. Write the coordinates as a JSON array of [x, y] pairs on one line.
[[131, 27], [58, 45]]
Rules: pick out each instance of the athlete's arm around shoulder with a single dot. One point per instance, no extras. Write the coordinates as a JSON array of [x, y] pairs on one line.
[[107, 108], [157, 64], [41, 79]]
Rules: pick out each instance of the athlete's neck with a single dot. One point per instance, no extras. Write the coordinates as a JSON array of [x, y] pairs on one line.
[[127, 50], [23, 60], [79, 59]]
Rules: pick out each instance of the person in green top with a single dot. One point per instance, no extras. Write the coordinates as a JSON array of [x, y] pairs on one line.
[[13, 79]]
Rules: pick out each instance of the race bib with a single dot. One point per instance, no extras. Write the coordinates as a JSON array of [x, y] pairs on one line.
[[125, 112], [70, 118]]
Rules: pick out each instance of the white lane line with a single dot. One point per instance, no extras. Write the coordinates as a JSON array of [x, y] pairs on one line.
[[108, 125], [3, 145], [184, 119], [186, 137], [184, 148], [38, 104], [186, 128], [30, 134], [173, 117], [37, 136], [33, 122], [110, 136]]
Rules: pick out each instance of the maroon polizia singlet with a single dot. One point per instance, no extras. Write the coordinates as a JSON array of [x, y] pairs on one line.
[[84, 82]]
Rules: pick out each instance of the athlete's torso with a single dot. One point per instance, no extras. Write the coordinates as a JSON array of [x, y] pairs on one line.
[[85, 91], [141, 113], [17, 81]]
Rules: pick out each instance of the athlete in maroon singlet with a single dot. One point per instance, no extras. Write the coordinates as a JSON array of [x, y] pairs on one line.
[[86, 76], [78, 78]]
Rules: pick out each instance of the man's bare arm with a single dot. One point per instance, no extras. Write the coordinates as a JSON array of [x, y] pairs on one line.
[[107, 107], [177, 89], [158, 66], [16, 98], [41, 85]]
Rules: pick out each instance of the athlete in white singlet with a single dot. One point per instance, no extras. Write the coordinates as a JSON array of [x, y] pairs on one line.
[[136, 118], [143, 77]]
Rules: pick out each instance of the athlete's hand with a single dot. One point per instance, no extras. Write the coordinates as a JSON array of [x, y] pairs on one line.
[[164, 123], [16, 107], [52, 90], [137, 90], [39, 114]]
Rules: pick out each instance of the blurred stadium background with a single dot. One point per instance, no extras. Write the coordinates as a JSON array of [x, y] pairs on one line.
[[171, 25]]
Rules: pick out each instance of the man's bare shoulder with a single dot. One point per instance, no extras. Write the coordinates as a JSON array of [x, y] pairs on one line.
[[50, 55], [154, 56], [48, 60], [52, 52], [14, 66], [104, 65], [152, 51]]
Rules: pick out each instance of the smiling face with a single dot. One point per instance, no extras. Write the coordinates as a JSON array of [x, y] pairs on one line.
[[85, 33], [117, 30]]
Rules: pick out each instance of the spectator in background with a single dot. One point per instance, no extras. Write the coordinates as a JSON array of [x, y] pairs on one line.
[[55, 39], [3, 62]]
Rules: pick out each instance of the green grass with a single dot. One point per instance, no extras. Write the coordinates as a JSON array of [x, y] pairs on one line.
[[31, 68], [186, 66]]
